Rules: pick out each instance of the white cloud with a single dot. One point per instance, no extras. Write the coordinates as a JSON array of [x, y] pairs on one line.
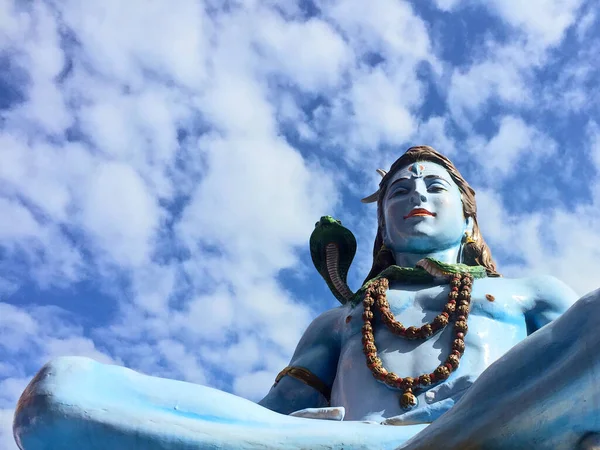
[[385, 26], [34, 43], [585, 23], [506, 73], [44, 332], [447, 5], [503, 76], [561, 241], [30, 337], [40, 334], [139, 128], [515, 144], [193, 319], [153, 286], [35, 172], [435, 133], [242, 189], [541, 22], [181, 361], [311, 53], [376, 99], [28, 226], [124, 41], [555, 242], [119, 213], [253, 385], [10, 395], [17, 326], [544, 21], [263, 187], [593, 136], [179, 189], [378, 106], [372, 113]]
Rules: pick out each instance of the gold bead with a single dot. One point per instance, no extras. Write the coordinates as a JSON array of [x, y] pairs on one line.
[[391, 378], [441, 373], [408, 382], [458, 345], [426, 331], [373, 360], [461, 326], [367, 337], [441, 320], [425, 380], [369, 347], [412, 333], [453, 360], [398, 328], [463, 310], [408, 400], [379, 373]]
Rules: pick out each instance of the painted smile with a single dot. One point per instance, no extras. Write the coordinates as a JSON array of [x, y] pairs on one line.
[[419, 212]]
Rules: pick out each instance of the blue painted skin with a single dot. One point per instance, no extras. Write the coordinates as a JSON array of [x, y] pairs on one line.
[[332, 348], [513, 389], [76, 403]]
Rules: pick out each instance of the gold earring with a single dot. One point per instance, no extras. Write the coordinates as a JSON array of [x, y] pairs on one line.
[[469, 238]]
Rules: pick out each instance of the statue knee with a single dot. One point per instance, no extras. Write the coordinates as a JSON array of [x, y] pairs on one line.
[[39, 409], [587, 306], [39, 394]]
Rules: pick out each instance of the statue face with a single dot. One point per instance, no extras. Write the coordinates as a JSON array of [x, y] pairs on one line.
[[423, 210]]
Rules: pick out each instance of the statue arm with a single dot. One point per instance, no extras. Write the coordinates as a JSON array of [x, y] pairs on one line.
[[552, 298], [316, 359]]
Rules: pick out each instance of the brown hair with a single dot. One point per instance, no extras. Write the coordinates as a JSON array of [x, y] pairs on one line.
[[475, 253]]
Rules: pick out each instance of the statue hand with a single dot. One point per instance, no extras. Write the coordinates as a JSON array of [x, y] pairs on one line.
[[329, 413], [422, 415]]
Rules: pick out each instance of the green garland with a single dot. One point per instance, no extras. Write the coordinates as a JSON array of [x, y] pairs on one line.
[[332, 249], [419, 275]]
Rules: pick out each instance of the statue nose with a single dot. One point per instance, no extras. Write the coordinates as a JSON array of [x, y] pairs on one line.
[[417, 198]]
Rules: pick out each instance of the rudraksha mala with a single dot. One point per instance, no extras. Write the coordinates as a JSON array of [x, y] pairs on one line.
[[457, 309]]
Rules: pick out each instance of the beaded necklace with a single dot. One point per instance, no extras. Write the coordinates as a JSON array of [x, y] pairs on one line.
[[457, 308]]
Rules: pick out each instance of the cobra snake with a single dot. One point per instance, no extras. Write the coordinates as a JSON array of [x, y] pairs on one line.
[[332, 249]]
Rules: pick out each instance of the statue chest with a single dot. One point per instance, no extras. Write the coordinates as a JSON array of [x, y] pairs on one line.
[[414, 305], [490, 298], [495, 324]]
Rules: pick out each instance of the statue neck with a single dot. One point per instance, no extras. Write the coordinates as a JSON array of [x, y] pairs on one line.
[[448, 256]]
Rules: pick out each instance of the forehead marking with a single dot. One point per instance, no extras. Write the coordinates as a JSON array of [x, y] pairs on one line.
[[416, 169]]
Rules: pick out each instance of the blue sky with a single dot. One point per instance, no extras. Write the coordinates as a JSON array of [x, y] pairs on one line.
[[162, 164]]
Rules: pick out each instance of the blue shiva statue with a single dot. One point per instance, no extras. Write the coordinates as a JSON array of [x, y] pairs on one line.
[[436, 345]]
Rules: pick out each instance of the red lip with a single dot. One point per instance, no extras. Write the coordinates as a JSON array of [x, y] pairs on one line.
[[419, 212]]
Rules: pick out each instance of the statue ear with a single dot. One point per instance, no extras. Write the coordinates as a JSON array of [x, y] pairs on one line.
[[386, 240], [469, 223]]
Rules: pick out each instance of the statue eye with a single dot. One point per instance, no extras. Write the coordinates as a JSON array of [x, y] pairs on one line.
[[436, 187], [398, 191]]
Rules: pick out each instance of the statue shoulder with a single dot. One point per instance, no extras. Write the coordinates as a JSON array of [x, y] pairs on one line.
[[539, 288], [326, 326], [332, 316], [542, 297], [551, 298], [552, 291]]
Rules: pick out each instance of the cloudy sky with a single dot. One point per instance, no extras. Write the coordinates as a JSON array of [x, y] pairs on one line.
[[162, 164]]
